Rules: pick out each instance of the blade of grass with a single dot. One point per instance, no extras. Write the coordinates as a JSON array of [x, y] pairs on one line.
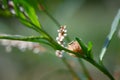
[[110, 35]]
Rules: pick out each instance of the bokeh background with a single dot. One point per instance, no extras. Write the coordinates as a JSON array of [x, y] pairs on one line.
[[89, 20]]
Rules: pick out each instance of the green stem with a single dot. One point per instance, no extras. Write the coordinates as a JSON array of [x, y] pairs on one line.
[[68, 39], [22, 38], [38, 29], [93, 62], [38, 39], [55, 21], [100, 67], [75, 75], [50, 39], [52, 18]]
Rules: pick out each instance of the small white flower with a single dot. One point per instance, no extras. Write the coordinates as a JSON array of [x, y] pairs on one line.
[[61, 35], [65, 35], [14, 43], [21, 8], [65, 30], [59, 53], [22, 45], [10, 3], [12, 11], [61, 38], [58, 30], [57, 38]]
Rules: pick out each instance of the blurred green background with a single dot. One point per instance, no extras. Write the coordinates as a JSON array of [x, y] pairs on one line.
[[89, 20]]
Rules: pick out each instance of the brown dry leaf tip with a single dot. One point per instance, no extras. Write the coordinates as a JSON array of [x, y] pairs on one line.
[[61, 35], [75, 47]]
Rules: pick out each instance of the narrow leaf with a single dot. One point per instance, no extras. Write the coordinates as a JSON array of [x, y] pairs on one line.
[[31, 13], [83, 46], [26, 11], [90, 46], [110, 35], [89, 49]]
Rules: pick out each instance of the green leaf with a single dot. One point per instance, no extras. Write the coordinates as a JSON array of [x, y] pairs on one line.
[[39, 39], [83, 46], [31, 13], [28, 14], [89, 46], [5, 3], [86, 49], [89, 49], [113, 29]]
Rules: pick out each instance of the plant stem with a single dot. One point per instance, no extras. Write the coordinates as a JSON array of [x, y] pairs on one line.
[[93, 62], [75, 75], [52, 18], [55, 21], [68, 39], [38, 39], [100, 67]]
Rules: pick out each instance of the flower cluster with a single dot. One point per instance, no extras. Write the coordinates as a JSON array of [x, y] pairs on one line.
[[61, 35], [22, 45], [11, 8]]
